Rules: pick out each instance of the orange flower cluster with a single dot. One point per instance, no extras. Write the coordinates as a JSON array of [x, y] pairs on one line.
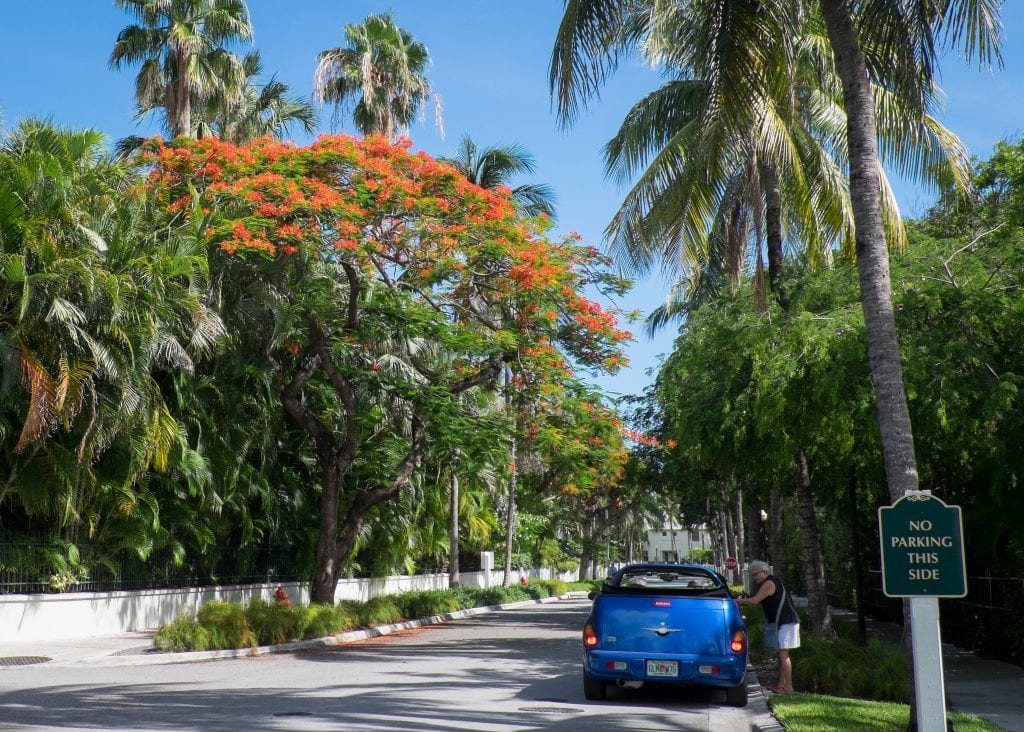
[[649, 440]]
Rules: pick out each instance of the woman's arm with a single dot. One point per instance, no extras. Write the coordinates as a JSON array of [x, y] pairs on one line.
[[766, 590]]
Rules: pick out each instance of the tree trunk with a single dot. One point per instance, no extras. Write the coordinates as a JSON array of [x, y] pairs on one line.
[[741, 539], [872, 254], [730, 538], [325, 578], [510, 521], [453, 526], [773, 233], [722, 536], [814, 568], [181, 119], [755, 531], [777, 535], [672, 536], [735, 233], [586, 562], [873, 270]]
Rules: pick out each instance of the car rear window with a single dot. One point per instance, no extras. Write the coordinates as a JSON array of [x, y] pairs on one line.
[[657, 580]]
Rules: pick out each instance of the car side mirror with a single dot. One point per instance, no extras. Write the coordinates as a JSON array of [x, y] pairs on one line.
[[592, 594]]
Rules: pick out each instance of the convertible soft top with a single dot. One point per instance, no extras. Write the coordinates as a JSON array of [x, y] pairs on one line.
[[667, 579]]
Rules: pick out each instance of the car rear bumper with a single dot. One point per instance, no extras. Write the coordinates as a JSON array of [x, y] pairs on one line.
[[730, 671]]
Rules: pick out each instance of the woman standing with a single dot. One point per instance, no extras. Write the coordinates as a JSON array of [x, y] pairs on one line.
[[780, 614]]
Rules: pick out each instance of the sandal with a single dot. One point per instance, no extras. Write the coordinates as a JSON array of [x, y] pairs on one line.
[[778, 690]]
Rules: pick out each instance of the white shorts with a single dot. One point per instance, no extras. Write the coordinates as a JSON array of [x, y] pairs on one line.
[[789, 636]]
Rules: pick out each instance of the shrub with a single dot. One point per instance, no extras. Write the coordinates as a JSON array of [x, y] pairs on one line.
[[321, 620], [184, 634], [585, 585], [379, 611], [273, 622], [425, 603], [844, 667], [465, 596], [347, 615], [536, 590], [226, 624], [849, 669], [499, 596], [556, 587]]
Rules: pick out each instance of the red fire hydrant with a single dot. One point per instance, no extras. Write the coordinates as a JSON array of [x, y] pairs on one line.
[[281, 596], [522, 580]]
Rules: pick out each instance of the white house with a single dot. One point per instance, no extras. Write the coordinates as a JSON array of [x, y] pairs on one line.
[[686, 538]]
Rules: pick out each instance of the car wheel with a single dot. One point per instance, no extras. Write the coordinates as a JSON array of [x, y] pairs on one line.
[[594, 689], [736, 696]]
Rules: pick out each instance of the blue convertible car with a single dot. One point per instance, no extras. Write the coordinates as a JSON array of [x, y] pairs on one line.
[[665, 622]]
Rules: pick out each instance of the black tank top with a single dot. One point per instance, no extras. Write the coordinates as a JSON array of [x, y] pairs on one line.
[[771, 605]]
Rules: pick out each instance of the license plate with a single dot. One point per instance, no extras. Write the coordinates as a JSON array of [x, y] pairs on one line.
[[663, 668]]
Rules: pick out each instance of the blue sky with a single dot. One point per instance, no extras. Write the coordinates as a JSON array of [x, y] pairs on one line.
[[490, 60]]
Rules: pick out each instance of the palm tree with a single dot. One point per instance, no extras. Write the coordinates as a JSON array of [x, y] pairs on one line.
[[258, 111], [749, 130], [496, 165], [180, 46], [381, 73]]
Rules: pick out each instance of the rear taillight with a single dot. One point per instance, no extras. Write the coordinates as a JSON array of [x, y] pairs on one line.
[[589, 636], [739, 642]]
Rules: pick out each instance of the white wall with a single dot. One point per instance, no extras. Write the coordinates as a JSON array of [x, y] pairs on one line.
[[83, 614]]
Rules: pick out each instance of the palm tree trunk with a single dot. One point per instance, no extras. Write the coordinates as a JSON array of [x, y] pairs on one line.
[[510, 521], [453, 527], [181, 121], [773, 232], [873, 269], [777, 535], [872, 253], [814, 568], [735, 233]]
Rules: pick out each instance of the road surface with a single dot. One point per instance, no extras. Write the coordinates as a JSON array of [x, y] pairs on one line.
[[500, 672]]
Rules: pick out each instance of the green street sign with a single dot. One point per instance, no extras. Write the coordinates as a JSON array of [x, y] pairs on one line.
[[922, 548]]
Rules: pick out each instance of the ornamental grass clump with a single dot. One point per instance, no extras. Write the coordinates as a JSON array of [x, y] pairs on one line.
[[379, 611], [554, 587], [183, 634], [426, 603], [319, 620], [273, 622], [500, 595], [227, 625]]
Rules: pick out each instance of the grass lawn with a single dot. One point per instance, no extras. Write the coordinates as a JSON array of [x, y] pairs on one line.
[[818, 713]]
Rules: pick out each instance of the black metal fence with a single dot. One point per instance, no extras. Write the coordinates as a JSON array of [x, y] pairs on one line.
[[987, 620], [31, 567]]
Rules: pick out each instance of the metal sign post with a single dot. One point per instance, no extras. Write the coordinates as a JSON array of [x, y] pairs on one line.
[[923, 559]]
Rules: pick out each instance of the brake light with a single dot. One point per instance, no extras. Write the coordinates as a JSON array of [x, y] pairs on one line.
[[739, 642], [662, 603], [589, 636]]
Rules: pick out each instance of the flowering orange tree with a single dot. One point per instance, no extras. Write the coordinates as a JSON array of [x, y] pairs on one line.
[[578, 461], [381, 286]]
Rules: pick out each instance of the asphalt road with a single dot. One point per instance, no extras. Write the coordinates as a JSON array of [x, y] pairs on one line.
[[508, 670]]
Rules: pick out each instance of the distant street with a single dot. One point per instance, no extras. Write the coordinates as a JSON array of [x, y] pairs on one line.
[[504, 671]]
